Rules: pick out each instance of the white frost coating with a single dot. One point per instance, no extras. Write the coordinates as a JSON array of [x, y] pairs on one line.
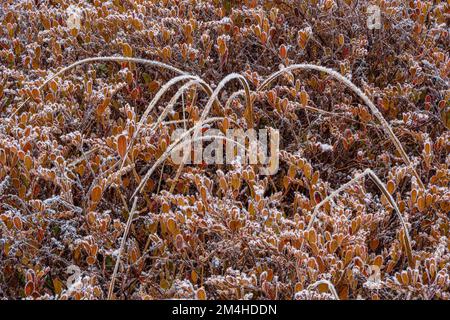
[[325, 147], [225, 20]]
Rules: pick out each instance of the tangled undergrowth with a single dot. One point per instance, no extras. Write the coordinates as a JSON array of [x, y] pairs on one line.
[[91, 91]]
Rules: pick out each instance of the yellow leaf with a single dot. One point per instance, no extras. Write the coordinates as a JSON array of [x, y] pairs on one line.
[[18, 223], [53, 85], [341, 39], [35, 94]]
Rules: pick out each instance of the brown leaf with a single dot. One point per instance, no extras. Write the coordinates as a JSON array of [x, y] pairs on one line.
[[96, 193]]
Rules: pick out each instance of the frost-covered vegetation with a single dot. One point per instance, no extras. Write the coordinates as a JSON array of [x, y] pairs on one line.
[[91, 207]]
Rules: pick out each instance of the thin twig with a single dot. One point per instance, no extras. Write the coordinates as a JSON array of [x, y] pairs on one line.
[[122, 245]]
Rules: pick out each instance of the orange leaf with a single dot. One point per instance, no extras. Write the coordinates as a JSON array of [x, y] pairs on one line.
[[29, 288], [283, 51], [127, 51], [53, 85], [172, 225], [201, 294], [391, 186], [421, 203], [164, 284], [304, 98], [122, 145], [96, 194], [194, 276], [57, 285]]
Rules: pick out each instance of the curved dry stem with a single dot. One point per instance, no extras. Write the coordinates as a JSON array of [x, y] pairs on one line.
[[209, 104], [122, 246], [103, 59], [175, 121], [156, 99], [383, 189], [166, 154], [158, 96], [183, 121], [175, 98], [219, 88], [330, 286], [150, 107], [386, 127], [234, 96]]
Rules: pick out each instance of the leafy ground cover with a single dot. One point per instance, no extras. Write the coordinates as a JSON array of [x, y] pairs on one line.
[[91, 207]]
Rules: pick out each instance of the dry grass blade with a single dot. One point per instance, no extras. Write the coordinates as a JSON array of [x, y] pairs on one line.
[[382, 187], [330, 286], [159, 94], [213, 97], [230, 156], [151, 105], [102, 59], [174, 147], [122, 246], [174, 100], [385, 125], [166, 154]]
